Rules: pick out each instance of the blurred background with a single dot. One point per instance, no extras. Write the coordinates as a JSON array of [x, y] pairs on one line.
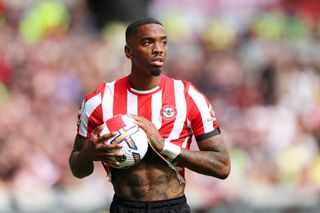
[[258, 61]]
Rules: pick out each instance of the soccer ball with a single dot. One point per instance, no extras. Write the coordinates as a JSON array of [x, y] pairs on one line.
[[131, 136]]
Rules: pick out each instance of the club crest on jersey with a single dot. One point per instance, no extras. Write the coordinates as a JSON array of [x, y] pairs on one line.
[[168, 112]]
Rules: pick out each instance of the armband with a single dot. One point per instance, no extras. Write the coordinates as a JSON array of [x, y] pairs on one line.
[[170, 150]]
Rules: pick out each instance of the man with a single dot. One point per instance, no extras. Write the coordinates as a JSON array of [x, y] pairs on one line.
[[170, 112]]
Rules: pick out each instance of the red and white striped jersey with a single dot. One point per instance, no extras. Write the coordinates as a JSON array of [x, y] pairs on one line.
[[176, 107]]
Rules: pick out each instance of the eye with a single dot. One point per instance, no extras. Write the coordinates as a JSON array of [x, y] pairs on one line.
[[147, 42], [164, 42]]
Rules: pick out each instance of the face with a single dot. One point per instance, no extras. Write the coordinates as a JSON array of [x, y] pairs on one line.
[[148, 49]]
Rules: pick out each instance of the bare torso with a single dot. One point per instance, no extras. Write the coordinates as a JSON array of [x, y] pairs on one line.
[[150, 180]]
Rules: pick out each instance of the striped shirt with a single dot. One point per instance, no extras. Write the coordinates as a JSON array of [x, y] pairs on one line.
[[176, 107]]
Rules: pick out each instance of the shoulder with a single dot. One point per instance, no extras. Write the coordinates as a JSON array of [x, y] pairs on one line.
[[102, 88], [186, 84], [97, 91], [94, 98]]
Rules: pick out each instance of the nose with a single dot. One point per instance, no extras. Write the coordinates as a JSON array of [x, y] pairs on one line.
[[157, 49], [157, 52]]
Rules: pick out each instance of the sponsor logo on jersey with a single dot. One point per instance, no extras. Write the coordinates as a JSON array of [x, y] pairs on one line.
[[212, 113]]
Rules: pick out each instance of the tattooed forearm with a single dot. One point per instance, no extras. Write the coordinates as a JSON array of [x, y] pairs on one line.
[[213, 159], [207, 163]]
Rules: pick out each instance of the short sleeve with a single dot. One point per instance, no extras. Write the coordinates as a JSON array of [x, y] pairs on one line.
[[90, 114], [201, 115]]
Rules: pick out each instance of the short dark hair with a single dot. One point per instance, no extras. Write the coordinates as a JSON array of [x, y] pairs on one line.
[[133, 26]]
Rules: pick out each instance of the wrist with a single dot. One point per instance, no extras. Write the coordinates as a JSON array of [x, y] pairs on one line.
[[170, 150], [86, 152]]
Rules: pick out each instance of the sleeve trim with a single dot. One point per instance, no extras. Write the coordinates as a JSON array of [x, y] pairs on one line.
[[208, 135]]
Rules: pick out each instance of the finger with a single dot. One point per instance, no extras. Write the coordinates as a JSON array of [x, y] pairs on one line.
[[107, 136], [106, 159], [141, 125], [112, 163], [108, 147], [109, 155], [136, 117], [130, 115], [96, 131], [114, 157]]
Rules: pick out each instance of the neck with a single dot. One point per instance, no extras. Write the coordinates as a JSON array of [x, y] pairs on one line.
[[144, 82]]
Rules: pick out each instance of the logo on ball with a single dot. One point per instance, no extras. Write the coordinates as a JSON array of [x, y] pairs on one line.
[[131, 136]]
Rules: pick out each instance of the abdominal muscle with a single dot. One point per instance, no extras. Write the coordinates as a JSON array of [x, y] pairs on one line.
[[150, 180]]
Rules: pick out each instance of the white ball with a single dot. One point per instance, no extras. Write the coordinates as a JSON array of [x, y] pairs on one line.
[[133, 139]]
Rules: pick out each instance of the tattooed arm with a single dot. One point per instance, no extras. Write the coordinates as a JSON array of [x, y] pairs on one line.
[[86, 151], [212, 159]]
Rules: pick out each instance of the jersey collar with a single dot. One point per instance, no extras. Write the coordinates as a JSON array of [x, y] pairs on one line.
[[145, 92]]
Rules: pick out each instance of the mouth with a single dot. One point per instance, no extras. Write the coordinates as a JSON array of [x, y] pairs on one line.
[[157, 61]]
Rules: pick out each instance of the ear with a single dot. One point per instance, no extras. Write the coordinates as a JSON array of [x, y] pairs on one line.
[[128, 51]]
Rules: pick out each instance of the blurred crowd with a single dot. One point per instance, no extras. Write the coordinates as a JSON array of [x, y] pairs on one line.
[[260, 68]]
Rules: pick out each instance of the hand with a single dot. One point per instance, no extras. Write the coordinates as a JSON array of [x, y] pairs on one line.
[[156, 140], [96, 149]]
